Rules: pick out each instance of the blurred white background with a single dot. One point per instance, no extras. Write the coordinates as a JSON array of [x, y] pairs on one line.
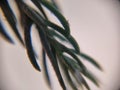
[[96, 26]]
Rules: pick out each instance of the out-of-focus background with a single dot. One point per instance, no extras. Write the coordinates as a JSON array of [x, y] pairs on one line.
[[95, 24]]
